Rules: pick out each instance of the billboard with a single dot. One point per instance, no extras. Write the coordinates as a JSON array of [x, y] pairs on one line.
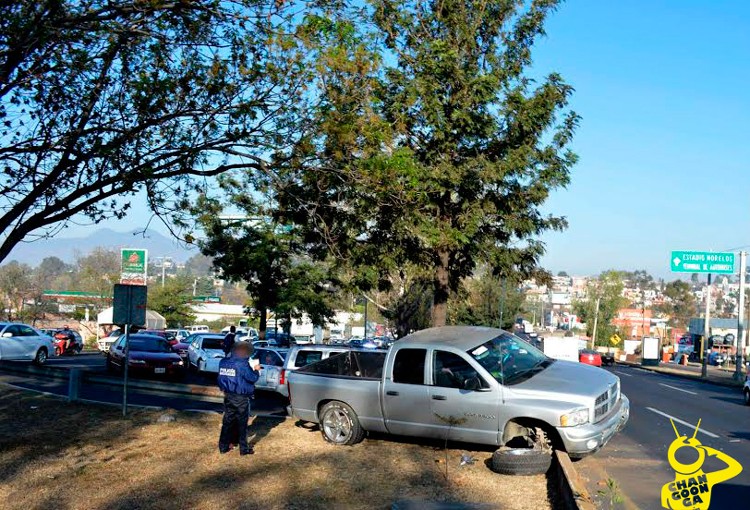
[[133, 266]]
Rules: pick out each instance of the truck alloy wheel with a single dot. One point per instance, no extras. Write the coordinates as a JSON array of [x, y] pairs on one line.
[[339, 424], [747, 397], [521, 461]]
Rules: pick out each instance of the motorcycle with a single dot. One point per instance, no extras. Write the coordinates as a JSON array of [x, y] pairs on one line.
[[74, 347]]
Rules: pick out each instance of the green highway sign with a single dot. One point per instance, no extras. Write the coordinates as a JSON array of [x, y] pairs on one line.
[[702, 262]]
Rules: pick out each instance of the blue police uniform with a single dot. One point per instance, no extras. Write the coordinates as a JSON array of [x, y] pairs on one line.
[[237, 381]]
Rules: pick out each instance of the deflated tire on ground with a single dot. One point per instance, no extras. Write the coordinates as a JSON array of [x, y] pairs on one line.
[[521, 461]]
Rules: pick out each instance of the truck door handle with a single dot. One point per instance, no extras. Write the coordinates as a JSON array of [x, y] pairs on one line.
[[439, 397], [392, 393]]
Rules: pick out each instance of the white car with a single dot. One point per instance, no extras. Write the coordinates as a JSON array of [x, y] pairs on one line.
[[301, 356], [180, 334], [104, 343], [746, 390], [205, 351], [22, 342], [271, 367]]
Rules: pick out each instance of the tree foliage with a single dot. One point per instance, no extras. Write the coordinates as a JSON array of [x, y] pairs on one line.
[[607, 289], [432, 147], [103, 99], [173, 301], [680, 304]]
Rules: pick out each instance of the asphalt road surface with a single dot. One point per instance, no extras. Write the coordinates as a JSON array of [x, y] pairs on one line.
[[637, 457]]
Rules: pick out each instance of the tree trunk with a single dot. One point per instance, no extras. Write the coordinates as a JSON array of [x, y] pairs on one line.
[[263, 324], [441, 289]]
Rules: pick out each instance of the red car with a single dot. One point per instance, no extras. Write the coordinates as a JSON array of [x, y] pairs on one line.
[[171, 337], [149, 355], [590, 357]]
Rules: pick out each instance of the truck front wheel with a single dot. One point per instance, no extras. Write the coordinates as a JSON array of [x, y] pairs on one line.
[[339, 424]]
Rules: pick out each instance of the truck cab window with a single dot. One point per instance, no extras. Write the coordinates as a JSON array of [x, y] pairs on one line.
[[408, 367], [452, 371]]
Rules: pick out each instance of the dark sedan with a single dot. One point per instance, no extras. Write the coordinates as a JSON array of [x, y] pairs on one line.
[[179, 347], [149, 355], [608, 358]]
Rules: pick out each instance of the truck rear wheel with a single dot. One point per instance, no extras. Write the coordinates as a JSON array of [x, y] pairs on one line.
[[339, 424]]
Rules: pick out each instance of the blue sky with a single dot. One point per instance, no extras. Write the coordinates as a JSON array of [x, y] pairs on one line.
[[664, 91], [663, 88]]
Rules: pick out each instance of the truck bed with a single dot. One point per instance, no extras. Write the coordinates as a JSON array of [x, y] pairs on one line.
[[353, 377]]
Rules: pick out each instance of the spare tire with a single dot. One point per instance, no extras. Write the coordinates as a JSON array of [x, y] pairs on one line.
[[521, 461]]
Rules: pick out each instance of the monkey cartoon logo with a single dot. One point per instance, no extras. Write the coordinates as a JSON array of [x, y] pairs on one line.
[[691, 488]]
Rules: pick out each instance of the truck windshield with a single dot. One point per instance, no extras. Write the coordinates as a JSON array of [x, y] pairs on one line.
[[509, 359]]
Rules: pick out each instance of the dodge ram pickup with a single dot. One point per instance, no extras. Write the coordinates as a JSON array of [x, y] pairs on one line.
[[471, 384]]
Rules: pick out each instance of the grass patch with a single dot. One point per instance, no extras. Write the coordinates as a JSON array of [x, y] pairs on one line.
[[78, 456]]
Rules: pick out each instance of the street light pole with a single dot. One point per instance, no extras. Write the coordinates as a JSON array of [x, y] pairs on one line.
[[739, 342], [596, 322], [706, 331]]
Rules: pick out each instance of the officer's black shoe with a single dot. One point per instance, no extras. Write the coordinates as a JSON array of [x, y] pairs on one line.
[[249, 451]]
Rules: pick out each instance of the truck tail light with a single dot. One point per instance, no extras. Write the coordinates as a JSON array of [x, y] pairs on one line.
[[282, 377]]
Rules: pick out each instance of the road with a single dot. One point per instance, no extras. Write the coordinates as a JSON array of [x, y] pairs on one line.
[[637, 457], [264, 402]]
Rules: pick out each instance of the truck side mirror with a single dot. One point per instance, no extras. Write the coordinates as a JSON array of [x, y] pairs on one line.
[[474, 384]]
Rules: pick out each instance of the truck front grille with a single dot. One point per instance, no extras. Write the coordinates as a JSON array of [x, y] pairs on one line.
[[606, 402]]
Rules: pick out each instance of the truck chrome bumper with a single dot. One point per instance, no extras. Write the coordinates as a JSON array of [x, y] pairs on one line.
[[587, 439]]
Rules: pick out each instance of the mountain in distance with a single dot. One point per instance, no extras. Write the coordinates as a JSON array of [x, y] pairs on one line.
[[66, 248]]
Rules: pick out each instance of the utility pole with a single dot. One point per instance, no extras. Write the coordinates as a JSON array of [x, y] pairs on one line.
[[365, 335], [739, 340], [706, 331], [596, 322]]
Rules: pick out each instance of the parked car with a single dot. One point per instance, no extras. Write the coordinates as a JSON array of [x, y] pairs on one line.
[[716, 359], [103, 344], [608, 358], [22, 342], [302, 355], [271, 364], [205, 351], [746, 390], [502, 387], [198, 329], [257, 344], [589, 357], [178, 346], [181, 334], [282, 340], [362, 343], [147, 355]]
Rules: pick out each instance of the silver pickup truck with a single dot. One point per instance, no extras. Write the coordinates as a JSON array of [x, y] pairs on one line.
[[471, 384]]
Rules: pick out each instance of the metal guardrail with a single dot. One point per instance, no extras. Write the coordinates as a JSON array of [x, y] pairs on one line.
[[77, 377]]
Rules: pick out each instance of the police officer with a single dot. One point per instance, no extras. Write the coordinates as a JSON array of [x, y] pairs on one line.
[[237, 380]]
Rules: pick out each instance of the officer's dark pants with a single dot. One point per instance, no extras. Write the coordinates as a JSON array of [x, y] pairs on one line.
[[234, 424]]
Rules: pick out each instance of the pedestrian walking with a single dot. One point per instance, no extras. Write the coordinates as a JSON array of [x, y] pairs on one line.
[[229, 340], [237, 380]]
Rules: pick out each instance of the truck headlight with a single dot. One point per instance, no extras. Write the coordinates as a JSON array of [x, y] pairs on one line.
[[177, 363], [575, 418]]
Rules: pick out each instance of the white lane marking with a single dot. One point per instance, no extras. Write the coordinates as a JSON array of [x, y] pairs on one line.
[[676, 388], [704, 431], [623, 373]]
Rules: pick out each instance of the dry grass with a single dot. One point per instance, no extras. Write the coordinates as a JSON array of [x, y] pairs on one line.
[[104, 461]]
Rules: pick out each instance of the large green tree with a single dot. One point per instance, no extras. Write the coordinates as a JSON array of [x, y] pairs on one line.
[[269, 259], [443, 156], [680, 303], [603, 300], [173, 300], [103, 99]]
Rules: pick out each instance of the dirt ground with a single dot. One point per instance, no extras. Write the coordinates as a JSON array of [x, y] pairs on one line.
[[79, 456]]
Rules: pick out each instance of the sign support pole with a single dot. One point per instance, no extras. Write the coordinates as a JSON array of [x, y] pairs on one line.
[[596, 323], [739, 341], [125, 371], [706, 331]]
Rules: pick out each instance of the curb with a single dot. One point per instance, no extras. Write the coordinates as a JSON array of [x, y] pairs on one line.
[[570, 487], [684, 375]]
